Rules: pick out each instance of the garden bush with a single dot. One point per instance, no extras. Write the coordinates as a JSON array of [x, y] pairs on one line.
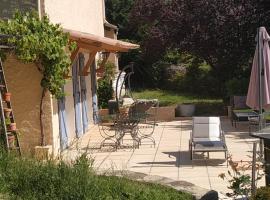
[[237, 86], [104, 92], [22, 178], [262, 193], [194, 76]]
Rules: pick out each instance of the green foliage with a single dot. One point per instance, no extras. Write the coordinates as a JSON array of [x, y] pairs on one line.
[[205, 106], [239, 179], [22, 178], [105, 90], [174, 56], [237, 86], [39, 41], [117, 12], [262, 193], [109, 70], [167, 98], [220, 32], [196, 76]]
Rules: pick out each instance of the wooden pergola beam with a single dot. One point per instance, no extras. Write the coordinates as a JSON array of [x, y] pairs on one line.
[[74, 54], [105, 59], [86, 67], [88, 47]]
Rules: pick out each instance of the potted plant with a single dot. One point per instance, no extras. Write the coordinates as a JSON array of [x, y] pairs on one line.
[[12, 126], [103, 112], [11, 139], [186, 109], [7, 121], [7, 112], [7, 96]]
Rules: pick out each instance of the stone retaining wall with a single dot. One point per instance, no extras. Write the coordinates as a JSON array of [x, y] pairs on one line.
[[197, 192], [164, 113]]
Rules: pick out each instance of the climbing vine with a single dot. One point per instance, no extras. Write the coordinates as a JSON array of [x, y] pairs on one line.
[[38, 41]]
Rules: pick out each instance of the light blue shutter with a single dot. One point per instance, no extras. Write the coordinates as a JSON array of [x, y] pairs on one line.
[[77, 99], [62, 123], [83, 95], [94, 91]]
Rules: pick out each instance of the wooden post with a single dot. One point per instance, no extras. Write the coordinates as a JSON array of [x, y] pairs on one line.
[[91, 59]]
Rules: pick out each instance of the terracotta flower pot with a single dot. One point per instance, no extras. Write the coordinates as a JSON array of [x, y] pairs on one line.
[[103, 112], [12, 127], [11, 140], [7, 112], [7, 97]]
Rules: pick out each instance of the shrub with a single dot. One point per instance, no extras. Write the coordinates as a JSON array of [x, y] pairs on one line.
[[30, 179], [197, 78], [262, 193], [239, 179], [104, 92], [22, 178], [237, 86]]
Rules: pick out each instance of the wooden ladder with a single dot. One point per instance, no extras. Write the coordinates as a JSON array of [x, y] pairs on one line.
[[9, 133]]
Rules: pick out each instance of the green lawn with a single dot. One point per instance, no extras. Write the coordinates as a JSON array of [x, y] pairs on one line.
[[205, 106], [167, 98]]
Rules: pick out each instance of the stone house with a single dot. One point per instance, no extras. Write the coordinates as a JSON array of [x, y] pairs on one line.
[[67, 119]]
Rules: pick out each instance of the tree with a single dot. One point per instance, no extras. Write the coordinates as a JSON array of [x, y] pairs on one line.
[[220, 32], [117, 12], [39, 41]]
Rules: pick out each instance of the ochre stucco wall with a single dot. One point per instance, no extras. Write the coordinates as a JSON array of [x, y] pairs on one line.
[[83, 15], [110, 33], [23, 81]]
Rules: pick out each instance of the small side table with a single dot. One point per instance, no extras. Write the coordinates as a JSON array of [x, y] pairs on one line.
[[242, 116]]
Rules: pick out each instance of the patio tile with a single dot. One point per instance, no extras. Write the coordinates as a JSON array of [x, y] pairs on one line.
[[142, 169], [199, 181], [195, 171], [173, 176], [171, 157], [114, 165]]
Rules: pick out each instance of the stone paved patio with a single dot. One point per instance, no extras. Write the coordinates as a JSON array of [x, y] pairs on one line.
[[170, 157]]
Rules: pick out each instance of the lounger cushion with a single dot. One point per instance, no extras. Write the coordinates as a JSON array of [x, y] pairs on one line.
[[206, 127], [206, 139], [206, 120]]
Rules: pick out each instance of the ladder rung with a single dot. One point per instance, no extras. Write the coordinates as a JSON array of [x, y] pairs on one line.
[[13, 148], [10, 131]]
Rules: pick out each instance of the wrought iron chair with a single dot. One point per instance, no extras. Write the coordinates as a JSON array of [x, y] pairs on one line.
[[145, 111], [138, 121], [107, 129]]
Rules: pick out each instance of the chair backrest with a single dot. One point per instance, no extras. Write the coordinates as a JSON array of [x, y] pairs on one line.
[[238, 102], [206, 127]]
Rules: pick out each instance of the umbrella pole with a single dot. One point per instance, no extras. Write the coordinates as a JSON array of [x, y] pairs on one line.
[[260, 71]]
